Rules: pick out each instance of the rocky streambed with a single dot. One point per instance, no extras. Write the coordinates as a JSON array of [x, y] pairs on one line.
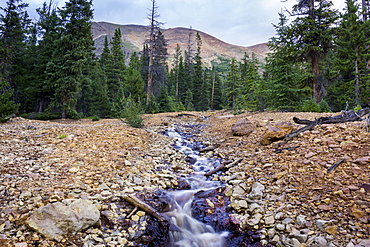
[[281, 195]]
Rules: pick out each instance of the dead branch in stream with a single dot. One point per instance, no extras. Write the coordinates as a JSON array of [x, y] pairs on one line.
[[347, 116], [223, 166], [144, 206]]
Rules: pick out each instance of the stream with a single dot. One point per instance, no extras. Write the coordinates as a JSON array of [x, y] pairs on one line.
[[186, 230]]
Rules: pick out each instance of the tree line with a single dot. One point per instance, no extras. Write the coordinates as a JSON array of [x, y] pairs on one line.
[[319, 61]]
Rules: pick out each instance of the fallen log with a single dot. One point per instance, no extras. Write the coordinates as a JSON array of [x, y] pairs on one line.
[[223, 166], [144, 206], [346, 116]]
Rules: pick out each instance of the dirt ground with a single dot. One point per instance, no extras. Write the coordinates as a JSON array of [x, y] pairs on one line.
[[45, 160]]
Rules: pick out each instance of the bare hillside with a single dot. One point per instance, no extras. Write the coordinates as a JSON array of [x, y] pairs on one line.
[[213, 49]]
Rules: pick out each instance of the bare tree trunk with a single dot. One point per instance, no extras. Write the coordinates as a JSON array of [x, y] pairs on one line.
[[316, 84], [213, 90], [151, 54], [357, 80], [365, 9]]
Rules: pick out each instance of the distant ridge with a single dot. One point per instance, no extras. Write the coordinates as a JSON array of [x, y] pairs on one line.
[[213, 49]]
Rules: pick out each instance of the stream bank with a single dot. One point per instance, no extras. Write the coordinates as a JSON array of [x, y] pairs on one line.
[[301, 204]]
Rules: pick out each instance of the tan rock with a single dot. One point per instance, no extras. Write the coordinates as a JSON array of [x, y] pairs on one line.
[[276, 133], [357, 213], [331, 230]]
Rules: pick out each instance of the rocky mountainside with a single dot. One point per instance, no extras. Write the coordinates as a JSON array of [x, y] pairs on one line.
[[213, 49]]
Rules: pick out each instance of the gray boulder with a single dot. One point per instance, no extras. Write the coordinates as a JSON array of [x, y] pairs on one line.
[[57, 219]]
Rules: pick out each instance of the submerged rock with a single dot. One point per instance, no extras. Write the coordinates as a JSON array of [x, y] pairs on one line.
[[57, 219]]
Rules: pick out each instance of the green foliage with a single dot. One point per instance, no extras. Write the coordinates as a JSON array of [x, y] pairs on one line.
[[357, 108], [309, 105], [152, 107], [44, 115], [312, 37], [351, 83], [130, 110], [95, 118], [324, 106], [7, 106], [62, 136]]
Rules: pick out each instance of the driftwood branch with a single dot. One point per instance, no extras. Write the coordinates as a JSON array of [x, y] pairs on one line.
[[144, 206], [346, 116], [223, 166], [279, 150], [336, 164], [209, 148]]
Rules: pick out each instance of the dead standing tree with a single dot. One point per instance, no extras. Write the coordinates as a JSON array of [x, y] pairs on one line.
[[157, 48]]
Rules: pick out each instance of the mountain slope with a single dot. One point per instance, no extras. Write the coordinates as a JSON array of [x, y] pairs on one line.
[[213, 49]]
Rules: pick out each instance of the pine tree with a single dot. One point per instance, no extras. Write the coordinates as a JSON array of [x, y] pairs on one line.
[[116, 74], [73, 52], [96, 93], [49, 31], [134, 82], [232, 85], [14, 25], [201, 92], [284, 76], [351, 59], [313, 35], [249, 96], [7, 106]]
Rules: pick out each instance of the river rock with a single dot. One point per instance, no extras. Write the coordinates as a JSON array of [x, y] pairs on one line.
[[243, 127], [56, 219], [301, 220], [276, 133], [257, 191], [365, 242], [319, 242]]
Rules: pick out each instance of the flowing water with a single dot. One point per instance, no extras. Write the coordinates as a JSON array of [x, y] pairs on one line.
[[187, 231]]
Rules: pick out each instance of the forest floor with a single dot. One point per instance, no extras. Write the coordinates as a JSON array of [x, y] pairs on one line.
[[42, 162]]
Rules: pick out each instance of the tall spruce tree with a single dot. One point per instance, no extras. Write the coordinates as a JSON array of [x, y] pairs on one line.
[[251, 82], [284, 76], [72, 52], [116, 75], [134, 82], [49, 30], [352, 54], [232, 85], [7, 106], [201, 92], [313, 35], [14, 25]]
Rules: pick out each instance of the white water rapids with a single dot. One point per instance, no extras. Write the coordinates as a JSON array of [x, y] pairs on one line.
[[189, 232]]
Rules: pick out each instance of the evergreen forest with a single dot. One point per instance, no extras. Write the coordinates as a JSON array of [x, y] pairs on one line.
[[319, 61]]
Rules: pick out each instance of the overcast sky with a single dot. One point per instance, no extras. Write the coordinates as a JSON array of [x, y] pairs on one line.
[[238, 22]]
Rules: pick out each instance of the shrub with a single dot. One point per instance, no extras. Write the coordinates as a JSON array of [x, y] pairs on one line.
[[357, 108], [309, 106], [62, 136], [324, 106], [130, 110], [95, 118]]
